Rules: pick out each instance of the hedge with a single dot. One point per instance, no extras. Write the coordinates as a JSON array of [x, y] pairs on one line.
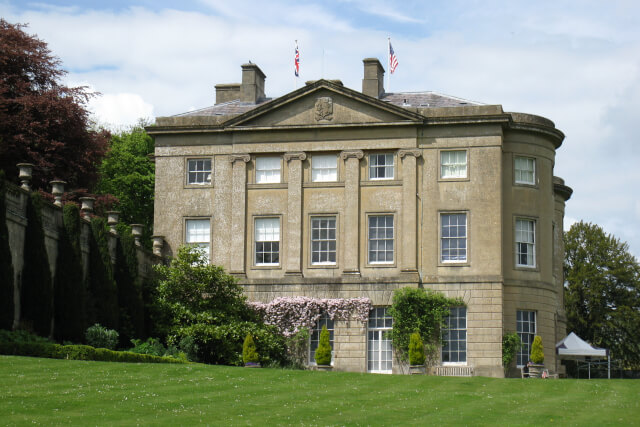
[[79, 352]]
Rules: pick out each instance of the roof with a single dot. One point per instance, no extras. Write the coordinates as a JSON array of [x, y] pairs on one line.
[[400, 99], [572, 346]]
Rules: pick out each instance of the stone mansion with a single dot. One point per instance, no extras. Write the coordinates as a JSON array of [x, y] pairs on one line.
[[328, 192]]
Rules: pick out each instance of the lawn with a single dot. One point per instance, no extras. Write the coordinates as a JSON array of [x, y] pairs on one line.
[[46, 391]]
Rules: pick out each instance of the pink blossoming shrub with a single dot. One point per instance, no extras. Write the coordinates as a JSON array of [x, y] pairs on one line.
[[290, 314]]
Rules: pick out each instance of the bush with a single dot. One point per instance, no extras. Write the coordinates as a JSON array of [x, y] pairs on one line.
[[100, 337], [416, 350], [297, 349], [510, 345], [154, 347], [249, 353], [323, 353], [537, 352]]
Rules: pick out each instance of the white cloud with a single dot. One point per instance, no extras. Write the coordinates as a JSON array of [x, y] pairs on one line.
[[120, 109]]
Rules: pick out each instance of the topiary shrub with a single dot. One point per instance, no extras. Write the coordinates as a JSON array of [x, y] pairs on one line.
[[537, 352], [249, 353], [323, 353], [100, 337], [416, 350], [6, 267], [510, 345]]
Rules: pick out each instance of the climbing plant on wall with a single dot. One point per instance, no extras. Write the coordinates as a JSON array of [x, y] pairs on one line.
[[131, 312], [103, 301], [6, 267]]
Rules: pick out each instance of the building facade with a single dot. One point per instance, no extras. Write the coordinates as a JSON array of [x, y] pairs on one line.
[[328, 192]]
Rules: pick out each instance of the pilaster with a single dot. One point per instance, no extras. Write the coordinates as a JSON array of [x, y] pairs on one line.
[[293, 263], [409, 209], [351, 242], [239, 212]]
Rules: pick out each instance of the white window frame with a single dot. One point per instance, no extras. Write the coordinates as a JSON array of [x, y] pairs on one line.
[[387, 166], [196, 168], [261, 235], [314, 337], [446, 230], [324, 240], [324, 168], [199, 237], [455, 335], [526, 328], [519, 172], [378, 327], [268, 170], [374, 239], [525, 238], [453, 164]]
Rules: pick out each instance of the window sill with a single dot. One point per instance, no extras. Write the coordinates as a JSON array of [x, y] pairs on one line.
[[466, 179], [267, 267], [268, 185], [323, 184], [381, 182], [454, 264], [532, 268], [381, 264], [320, 266], [525, 184], [201, 186]]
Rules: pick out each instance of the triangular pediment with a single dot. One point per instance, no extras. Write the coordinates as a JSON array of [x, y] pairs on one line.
[[323, 103]]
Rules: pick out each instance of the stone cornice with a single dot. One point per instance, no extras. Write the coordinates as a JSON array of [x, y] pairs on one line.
[[243, 157], [296, 155], [415, 152], [347, 154]]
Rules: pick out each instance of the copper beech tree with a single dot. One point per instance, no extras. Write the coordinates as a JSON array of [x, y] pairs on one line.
[[42, 121]]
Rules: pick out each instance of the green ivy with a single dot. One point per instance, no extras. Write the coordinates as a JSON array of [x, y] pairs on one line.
[[510, 345], [131, 321], [36, 294], [102, 288], [6, 266]]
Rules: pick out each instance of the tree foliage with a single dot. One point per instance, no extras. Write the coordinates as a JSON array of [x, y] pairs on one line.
[[69, 286], [418, 310], [41, 120], [249, 353], [208, 305], [36, 294], [510, 345], [602, 291], [416, 350], [128, 173], [6, 266], [103, 301], [537, 351], [323, 352]]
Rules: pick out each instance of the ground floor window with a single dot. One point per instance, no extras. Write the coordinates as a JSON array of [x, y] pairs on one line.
[[379, 350], [324, 320], [526, 329], [454, 347]]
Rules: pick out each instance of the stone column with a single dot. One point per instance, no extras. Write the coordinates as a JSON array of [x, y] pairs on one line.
[[351, 242], [409, 210], [239, 212], [293, 262]]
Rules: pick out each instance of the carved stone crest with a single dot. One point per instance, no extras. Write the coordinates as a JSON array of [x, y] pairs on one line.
[[324, 109]]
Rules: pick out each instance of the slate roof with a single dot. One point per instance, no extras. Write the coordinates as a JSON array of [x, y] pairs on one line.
[[400, 99]]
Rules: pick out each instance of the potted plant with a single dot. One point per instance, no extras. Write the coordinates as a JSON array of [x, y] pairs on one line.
[[323, 352], [416, 355], [249, 354], [537, 358]]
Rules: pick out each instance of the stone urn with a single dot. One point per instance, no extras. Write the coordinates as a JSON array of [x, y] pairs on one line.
[[324, 368], [417, 370], [535, 370]]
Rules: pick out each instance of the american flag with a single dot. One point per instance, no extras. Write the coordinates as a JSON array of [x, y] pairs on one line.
[[393, 61], [297, 62]]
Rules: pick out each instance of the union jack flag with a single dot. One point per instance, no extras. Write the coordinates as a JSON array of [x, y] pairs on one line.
[[296, 69], [393, 61]]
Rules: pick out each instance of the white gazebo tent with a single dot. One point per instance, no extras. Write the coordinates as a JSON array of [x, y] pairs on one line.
[[575, 348]]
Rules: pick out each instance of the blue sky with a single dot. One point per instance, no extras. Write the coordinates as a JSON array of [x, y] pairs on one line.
[[574, 62]]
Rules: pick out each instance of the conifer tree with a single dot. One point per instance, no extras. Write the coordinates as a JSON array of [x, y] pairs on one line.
[[6, 266], [36, 292]]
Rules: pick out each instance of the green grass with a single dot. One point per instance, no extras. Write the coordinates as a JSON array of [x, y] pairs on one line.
[[49, 392]]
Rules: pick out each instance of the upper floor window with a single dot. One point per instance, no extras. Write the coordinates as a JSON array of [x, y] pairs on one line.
[[324, 168], [267, 235], [198, 234], [453, 164], [199, 171], [268, 170], [453, 237], [381, 166], [323, 240], [454, 347], [525, 170], [525, 242], [381, 238]]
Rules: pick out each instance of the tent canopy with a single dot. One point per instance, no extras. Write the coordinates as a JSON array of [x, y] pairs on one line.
[[574, 347]]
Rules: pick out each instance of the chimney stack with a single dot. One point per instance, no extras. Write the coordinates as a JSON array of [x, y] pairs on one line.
[[227, 92], [373, 81], [252, 87]]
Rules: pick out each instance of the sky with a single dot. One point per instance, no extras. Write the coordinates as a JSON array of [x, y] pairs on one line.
[[574, 62]]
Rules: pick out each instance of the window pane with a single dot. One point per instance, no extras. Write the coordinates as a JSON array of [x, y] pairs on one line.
[[381, 236], [267, 238], [525, 170], [199, 171], [267, 170], [323, 240], [453, 164], [381, 166], [455, 336], [525, 242], [453, 237], [198, 233], [526, 329], [324, 168]]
